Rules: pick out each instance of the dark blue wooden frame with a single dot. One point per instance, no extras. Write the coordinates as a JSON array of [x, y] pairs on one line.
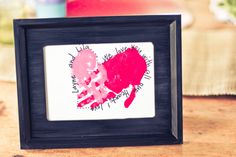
[[31, 35]]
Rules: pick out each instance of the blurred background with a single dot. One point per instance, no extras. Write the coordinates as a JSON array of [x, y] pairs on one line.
[[209, 60], [209, 71]]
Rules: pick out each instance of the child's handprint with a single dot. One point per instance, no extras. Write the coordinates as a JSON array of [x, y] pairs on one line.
[[100, 82]]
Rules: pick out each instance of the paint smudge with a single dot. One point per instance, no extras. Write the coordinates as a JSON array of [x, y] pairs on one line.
[[101, 82]]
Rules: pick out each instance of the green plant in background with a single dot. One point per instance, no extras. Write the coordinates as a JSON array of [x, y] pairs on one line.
[[229, 5], [5, 28], [8, 11]]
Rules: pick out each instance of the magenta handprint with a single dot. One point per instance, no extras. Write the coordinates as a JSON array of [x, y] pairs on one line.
[[101, 82]]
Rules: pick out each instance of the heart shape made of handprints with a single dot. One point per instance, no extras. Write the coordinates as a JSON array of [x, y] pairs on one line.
[[101, 82]]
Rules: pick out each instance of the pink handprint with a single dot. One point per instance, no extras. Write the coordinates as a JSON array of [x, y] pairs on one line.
[[101, 82]]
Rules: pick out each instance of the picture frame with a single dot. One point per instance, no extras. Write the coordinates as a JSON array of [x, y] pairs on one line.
[[39, 132]]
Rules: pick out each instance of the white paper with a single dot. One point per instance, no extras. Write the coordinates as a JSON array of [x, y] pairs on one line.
[[62, 99]]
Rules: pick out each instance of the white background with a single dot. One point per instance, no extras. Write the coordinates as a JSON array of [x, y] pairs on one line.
[[62, 103]]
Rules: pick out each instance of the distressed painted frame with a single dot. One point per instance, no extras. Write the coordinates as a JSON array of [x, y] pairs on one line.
[[31, 35]]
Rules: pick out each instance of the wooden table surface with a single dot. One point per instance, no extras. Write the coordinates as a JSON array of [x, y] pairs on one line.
[[209, 130]]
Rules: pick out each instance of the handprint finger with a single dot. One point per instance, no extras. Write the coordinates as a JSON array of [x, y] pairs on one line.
[[86, 101]]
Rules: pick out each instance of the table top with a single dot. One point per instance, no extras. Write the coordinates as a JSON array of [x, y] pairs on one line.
[[209, 130]]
